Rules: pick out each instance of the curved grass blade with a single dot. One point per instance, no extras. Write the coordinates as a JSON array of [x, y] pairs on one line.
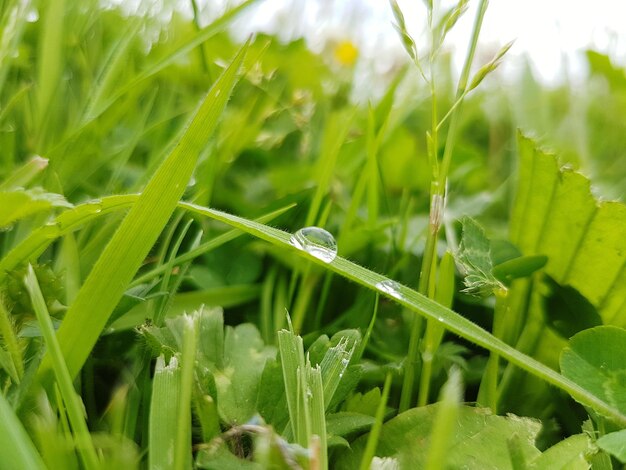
[[72, 219], [139, 230], [426, 307]]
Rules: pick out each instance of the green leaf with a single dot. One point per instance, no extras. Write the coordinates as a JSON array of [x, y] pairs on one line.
[[568, 454], [238, 382], [522, 266], [347, 423], [556, 215], [615, 444], [139, 230], [567, 311], [235, 357], [474, 255], [596, 360], [479, 439], [20, 203]]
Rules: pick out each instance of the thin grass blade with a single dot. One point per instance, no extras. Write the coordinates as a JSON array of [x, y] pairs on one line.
[[426, 307], [139, 230], [73, 404]]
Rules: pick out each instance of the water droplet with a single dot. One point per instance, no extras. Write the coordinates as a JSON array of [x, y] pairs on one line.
[[309, 393], [427, 356], [345, 362], [315, 241], [440, 319], [95, 206], [390, 287], [32, 16]]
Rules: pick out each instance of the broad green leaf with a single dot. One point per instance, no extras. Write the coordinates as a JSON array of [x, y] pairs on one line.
[[479, 439], [234, 357], [567, 311], [238, 382], [364, 403], [615, 444], [596, 360], [422, 305], [568, 454], [139, 230], [556, 215], [346, 423]]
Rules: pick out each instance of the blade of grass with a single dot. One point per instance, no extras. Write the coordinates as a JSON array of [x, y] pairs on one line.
[[166, 392], [16, 448], [316, 407], [199, 38], [50, 61], [182, 449], [82, 214], [425, 307], [12, 26], [139, 230], [11, 343], [372, 439], [445, 422], [73, 405], [292, 356]]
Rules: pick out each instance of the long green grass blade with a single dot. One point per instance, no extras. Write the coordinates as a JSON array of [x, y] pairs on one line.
[[50, 61], [139, 230], [201, 37], [372, 439], [426, 307], [72, 219], [73, 405], [16, 448], [446, 421], [182, 453]]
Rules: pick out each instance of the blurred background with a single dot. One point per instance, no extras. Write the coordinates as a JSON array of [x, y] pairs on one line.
[[562, 81]]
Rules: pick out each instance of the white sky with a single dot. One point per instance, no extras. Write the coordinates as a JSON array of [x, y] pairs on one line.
[[552, 32]]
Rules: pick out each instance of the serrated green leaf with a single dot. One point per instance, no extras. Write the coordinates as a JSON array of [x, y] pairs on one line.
[[556, 215], [474, 255]]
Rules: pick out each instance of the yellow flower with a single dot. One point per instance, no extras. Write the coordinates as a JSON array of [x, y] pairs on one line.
[[346, 53]]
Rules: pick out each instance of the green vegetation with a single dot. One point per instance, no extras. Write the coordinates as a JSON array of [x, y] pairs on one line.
[[457, 298]]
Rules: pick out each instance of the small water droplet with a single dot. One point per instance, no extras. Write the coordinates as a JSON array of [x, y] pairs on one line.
[[440, 319], [95, 206], [345, 362], [390, 287], [32, 15], [427, 356], [315, 241], [309, 393]]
